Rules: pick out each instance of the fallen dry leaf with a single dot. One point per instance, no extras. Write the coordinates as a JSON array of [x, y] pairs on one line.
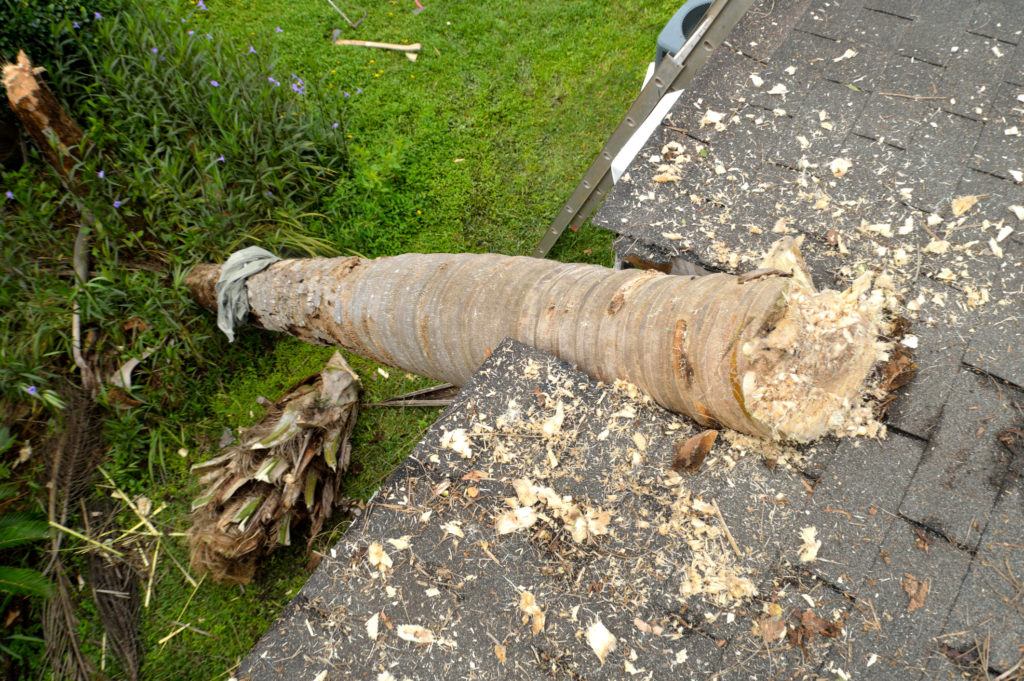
[[894, 374], [601, 640], [476, 476], [917, 589], [815, 625], [371, 626], [962, 204], [770, 628], [415, 633], [690, 453], [898, 371], [499, 652]]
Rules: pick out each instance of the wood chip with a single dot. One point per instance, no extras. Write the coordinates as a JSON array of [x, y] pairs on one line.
[[962, 204], [415, 633], [840, 166], [378, 557], [528, 604], [810, 546], [601, 640], [516, 519], [917, 589]]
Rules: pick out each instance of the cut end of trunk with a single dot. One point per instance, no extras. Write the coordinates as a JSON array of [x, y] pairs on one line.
[[808, 374], [202, 284], [20, 78]]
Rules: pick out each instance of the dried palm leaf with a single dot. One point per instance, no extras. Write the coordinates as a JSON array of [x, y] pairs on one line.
[[115, 590], [60, 631], [285, 470]]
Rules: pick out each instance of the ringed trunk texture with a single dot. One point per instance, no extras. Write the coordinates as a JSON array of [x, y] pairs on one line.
[[697, 345]]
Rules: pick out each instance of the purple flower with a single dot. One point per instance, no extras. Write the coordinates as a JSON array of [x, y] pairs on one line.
[[97, 15], [346, 94], [117, 204], [209, 37], [334, 126], [154, 50], [201, 5], [214, 83], [191, 32], [278, 30], [77, 25], [31, 390], [221, 158], [252, 50], [9, 194], [100, 174], [359, 90], [271, 79]]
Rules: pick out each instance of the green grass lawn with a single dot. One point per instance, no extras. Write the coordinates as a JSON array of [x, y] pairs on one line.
[[473, 147]]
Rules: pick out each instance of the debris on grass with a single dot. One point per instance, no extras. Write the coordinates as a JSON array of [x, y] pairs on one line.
[[285, 470]]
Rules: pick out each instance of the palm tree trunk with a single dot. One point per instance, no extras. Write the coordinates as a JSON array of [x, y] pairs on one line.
[[45, 121], [702, 346]]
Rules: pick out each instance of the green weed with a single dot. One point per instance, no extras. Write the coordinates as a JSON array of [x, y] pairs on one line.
[[473, 147]]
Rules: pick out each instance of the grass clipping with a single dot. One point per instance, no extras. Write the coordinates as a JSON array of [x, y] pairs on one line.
[[808, 375], [286, 469]]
